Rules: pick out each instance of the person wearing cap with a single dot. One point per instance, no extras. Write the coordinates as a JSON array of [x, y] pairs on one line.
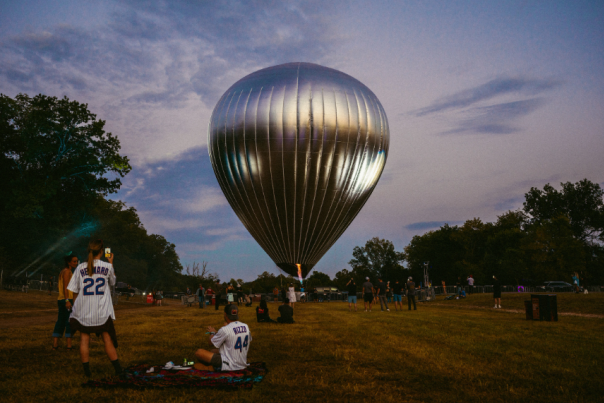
[[411, 293], [286, 311], [367, 293], [231, 344]]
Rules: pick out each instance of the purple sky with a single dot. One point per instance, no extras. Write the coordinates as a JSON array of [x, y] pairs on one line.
[[484, 101]]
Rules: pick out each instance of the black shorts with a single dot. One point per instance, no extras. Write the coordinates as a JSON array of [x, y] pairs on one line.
[[216, 362], [368, 297]]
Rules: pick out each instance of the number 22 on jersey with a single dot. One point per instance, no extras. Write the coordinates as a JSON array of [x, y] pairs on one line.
[[98, 290]]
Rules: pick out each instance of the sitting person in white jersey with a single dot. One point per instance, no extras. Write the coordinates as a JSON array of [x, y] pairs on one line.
[[93, 308], [232, 342]]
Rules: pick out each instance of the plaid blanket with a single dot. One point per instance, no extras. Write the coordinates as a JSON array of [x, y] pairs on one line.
[[160, 378]]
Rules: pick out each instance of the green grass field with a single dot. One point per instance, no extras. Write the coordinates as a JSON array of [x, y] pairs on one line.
[[437, 353]]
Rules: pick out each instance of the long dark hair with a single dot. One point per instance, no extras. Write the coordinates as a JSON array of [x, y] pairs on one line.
[[263, 304], [68, 258], [94, 248]]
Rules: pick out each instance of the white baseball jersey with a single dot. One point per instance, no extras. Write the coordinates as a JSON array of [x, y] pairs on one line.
[[93, 305], [233, 340]]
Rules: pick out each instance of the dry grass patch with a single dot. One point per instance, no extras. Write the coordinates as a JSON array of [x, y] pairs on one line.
[[432, 354]]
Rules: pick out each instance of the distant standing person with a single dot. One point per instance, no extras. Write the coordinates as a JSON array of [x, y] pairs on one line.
[[291, 295], [50, 284], [239, 294], [497, 292], [276, 294], [380, 289], [218, 291], [367, 293], [458, 285], [93, 308], [230, 296], [471, 284], [201, 297], [287, 312], [411, 293], [576, 282], [65, 302], [352, 294], [397, 294]]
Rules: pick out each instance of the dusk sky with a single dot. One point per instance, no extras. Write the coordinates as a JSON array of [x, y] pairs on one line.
[[484, 100]]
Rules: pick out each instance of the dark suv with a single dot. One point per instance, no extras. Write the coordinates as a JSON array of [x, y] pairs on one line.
[[555, 286]]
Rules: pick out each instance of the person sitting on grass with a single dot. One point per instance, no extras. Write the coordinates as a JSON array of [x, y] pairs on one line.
[[262, 313], [232, 342], [287, 312]]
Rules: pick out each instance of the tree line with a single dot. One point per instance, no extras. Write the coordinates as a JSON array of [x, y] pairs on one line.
[[59, 165]]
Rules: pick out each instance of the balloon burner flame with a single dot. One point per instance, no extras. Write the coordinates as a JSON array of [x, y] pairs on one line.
[[299, 272]]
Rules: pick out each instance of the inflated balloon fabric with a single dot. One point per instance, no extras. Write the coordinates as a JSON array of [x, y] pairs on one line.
[[297, 150]]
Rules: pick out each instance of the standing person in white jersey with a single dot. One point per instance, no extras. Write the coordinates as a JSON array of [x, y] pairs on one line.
[[232, 342], [93, 308]]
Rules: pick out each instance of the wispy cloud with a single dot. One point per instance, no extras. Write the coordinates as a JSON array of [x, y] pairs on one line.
[[488, 91], [481, 110]]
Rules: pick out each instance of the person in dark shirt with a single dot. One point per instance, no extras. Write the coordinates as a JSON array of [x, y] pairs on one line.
[[458, 285], [397, 294], [218, 291], [367, 293], [239, 294], [352, 294], [411, 293], [262, 313], [381, 293], [497, 292], [287, 312]]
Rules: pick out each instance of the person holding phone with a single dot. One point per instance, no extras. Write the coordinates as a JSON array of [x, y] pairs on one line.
[[93, 308]]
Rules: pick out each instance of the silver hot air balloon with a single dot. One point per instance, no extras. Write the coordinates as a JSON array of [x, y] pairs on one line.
[[297, 150]]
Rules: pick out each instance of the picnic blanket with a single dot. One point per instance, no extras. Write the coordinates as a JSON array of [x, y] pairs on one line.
[[140, 378]]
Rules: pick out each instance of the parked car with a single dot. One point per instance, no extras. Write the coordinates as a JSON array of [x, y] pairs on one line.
[[555, 286], [122, 289]]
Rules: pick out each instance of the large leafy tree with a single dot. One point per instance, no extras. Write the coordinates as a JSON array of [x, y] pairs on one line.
[[57, 162], [379, 257]]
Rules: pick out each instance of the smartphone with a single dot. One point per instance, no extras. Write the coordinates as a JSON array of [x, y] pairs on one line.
[[107, 252]]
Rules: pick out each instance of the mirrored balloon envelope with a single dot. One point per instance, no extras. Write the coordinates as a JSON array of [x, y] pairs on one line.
[[297, 150]]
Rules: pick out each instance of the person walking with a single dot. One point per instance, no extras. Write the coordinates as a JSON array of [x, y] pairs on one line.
[[367, 293], [496, 292], [576, 282], [411, 293], [93, 309], [201, 297], [397, 291], [65, 302], [352, 294], [380, 289]]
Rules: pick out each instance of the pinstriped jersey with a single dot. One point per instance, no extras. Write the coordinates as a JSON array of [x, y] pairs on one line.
[[233, 341], [93, 305]]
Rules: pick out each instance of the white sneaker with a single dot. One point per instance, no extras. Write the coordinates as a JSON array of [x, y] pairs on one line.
[[388, 310], [499, 306], [495, 306]]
